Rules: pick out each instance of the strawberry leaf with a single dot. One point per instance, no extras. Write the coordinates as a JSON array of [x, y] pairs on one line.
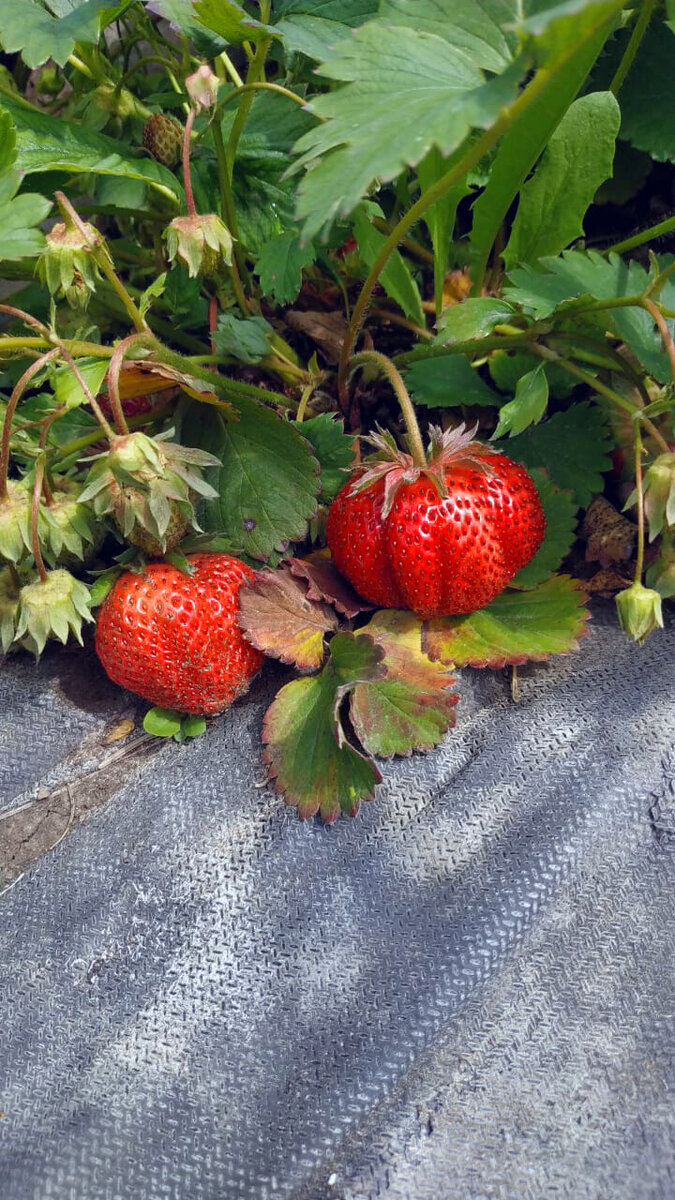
[[279, 619], [333, 448], [20, 216], [411, 708], [418, 90], [474, 318], [306, 748], [162, 722], [573, 446], [448, 381], [528, 406], [268, 482], [313, 26], [280, 265], [517, 627], [40, 34], [561, 520], [326, 583]]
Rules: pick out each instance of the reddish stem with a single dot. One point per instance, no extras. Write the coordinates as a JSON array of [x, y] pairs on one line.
[[114, 383], [213, 321], [19, 389], [187, 181], [26, 318], [664, 331], [95, 406], [35, 512], [42, 441]]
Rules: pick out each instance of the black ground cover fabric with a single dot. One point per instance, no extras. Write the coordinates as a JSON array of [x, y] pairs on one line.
[[466, 992]]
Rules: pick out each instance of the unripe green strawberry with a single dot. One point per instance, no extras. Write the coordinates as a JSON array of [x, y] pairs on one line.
[[174, 639], [163, 138]]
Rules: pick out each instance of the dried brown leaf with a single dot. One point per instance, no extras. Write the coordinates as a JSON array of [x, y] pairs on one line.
[[279, 618]]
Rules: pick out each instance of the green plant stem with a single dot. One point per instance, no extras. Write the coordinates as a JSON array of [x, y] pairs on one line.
[[230, 68], [35, 512], [29, 344], [80, 66], [89, 439], [259, 85], [93, 402], [141, 62], [387, 368], [255, 74], [473, 155], [304, 401], [645, 235], [235, 386], [664, 331], [602, 389], [639, 29], [238, 266], [639, 563], [471, 346], [17, 392]]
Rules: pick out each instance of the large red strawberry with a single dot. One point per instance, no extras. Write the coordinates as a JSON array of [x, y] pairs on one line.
[[174, 639], [439, 539]]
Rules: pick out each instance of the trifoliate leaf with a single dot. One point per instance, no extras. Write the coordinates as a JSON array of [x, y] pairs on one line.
[[269, 479], [561, 518], [326, 583], [573, 446], [40, 34], [247, 340], [517, 627], [567, 282], [446, 381], [278, 618], [19, 215], [333, 448], [306, 748], [417, 89], [527, 407], [475, 318], [280, 265], [576, 161], [411, 708]]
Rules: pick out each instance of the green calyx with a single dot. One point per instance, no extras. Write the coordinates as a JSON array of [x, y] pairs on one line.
[[53, 607], [639, 610], [201, 243], [148, 485], [15, 522], [67, 264], [11, 582], [69, 527], [661, 573]]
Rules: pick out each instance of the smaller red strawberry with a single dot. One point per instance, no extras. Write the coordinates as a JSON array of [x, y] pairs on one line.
[[173, 638], [440, 538]]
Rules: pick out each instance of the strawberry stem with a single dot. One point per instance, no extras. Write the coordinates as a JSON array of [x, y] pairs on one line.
[[187, 181], [395, 378], [640, 502], [114, 383], [663, 330], [17, 393], [35, 511]]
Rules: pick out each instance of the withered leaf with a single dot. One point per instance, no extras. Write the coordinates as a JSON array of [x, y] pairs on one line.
[[327, 329], [610, 537], [279, 618], [326, 583]]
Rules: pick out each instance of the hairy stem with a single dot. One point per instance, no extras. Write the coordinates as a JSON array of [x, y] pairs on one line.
[[640, 504], [664, 331], [18, 390], [91, 399], [387, 368], [35, 514], [121, 427], [187, 178]]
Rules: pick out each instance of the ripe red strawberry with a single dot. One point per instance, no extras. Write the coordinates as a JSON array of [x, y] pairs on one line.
[[174, 639], [440, 539]]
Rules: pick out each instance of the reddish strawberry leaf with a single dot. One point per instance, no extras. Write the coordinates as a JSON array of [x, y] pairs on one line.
[[412, 707], [306, 747], [278, 617], [326, 583], [517, 627]]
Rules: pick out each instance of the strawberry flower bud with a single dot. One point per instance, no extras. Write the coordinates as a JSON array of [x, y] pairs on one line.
[[54, 607], [202, 88], [199, 242], [659, 492], [148, 485], [15, 518], [639, 610], [10, 586], [69, 526], [67, 265]]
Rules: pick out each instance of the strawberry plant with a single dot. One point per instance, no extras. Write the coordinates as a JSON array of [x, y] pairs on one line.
[[242, 244]]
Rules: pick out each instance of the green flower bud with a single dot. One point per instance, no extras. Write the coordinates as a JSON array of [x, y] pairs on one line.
[[661, 573], [54, 607], [67, 264], [659, 492], [15, 522], [199, 242], [202, 87], [639, 610]]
